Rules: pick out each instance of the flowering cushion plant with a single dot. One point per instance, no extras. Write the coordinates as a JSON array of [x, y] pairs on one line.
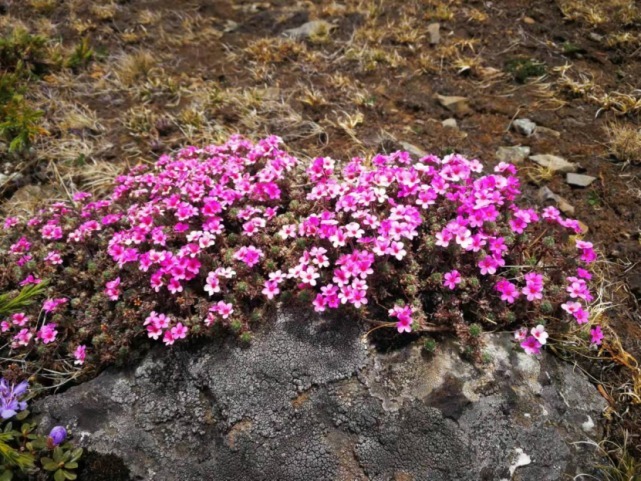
[[210, 238]]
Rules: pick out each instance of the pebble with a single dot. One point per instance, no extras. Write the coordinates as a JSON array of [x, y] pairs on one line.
[[434, 31], [450, 123], [524, 126], [546, 195], [554, 163], [413, 149], [309, 29], [456, 104], [579, 180], [512, 155], [549, 132]]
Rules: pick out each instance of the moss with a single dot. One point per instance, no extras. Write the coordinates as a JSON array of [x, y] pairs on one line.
[[523, 69]]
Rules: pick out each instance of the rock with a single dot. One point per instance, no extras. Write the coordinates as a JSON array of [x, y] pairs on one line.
[[554, 163], [308, 399], [595, 37], [512, 155], [529, 20], [413, 149], [450, 123], [309, 29], [524, 126], [634, 283], [548, 132], [456, 104], [434, 31], [4, 179], [546, 195], [579, 180]]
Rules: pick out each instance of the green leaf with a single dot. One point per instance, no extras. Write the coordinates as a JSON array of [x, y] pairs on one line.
[[69, 475], [49, 464], [71, 465], [76, 454], [22, 415], [6, 475], [58, 454], [59, 475]]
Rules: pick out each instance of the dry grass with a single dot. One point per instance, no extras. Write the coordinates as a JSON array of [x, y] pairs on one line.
[[624, 141]]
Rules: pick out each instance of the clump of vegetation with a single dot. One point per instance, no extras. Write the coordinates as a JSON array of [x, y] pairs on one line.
[[625, 142], [523, 69], [208, 241], [23, 452]]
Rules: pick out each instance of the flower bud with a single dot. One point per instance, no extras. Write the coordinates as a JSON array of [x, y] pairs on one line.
[[57, 435]]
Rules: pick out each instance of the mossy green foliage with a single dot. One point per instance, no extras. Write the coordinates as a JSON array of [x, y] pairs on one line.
[[25, 454], [523, 69]]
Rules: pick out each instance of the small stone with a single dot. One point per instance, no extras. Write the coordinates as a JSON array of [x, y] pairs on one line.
[[595, 37], [579, 180], [546, 195], [529, 20], [4, 179], [524, 126], [512, 155], [309, 29], [548, 132], [434, 31], [413, 149], [554, 163], [456, 104], [450, 123]]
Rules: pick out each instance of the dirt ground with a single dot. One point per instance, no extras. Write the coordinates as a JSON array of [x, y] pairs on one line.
[[163, 74]]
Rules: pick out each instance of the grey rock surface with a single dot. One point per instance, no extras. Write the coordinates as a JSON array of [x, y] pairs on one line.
[[579, 180], [512, 154], [524, 126], [554, 163], [311, 400]]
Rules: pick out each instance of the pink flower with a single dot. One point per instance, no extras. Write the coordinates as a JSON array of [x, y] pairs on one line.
[[19, 319], [168, 338], [451, 279], [249, 255], [53, 258], [23, 337], [79, 354], [531, 346], [539, 334], [212, 284], [404, 316], [596, 335], [179, 331], [581, 316], [47, 333], [271, 289], [224, 309], [509, 292], [51, 305], [488, 265], [520, 334], [112, 290]]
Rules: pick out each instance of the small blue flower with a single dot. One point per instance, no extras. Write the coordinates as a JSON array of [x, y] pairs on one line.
[[9, 394], [58, 435]]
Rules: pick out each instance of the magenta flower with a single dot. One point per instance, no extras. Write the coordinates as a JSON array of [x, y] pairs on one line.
[[531, 346], [404, 316], [80, 354], [51, 305], [452, 279], [508, 291], [47, 333], [112, 290], [249, 255], [271, 289], [596, 335]]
